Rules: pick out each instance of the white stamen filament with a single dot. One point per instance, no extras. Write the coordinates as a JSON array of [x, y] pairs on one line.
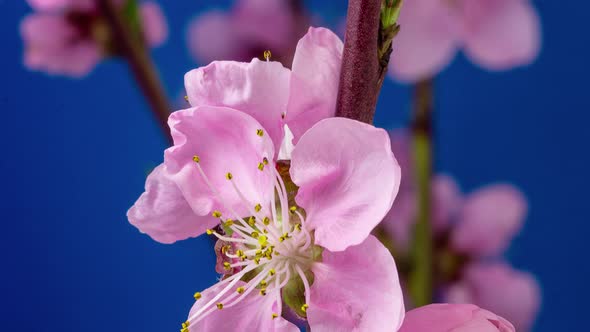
[[275, 246]]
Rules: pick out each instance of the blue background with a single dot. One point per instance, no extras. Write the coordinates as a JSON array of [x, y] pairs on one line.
[[74, 156]]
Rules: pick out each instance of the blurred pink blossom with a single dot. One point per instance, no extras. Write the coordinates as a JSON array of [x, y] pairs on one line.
[[250, 28], [474, 228], [224, 166], [454, 318], [519, 298], [495, 34], [67, 37]]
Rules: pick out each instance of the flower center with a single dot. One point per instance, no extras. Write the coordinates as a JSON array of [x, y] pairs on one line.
[[265, 250]]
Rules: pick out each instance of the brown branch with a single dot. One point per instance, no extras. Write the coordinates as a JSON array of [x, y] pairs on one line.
[[140, 64], [359, 77]]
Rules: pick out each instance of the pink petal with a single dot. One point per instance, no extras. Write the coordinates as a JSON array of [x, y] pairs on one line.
[[489, 219], [225, 141], [268, 23], [153, 23], [163, 213], [498, 287], [253, 313], [502, 34], [347, 178], [427, 41], [400, 220], [446, 200], [356, 290], [401, 146], [52, 45], [454, 318], [314, 80], [56, 5], [211, 37], [260, 89]]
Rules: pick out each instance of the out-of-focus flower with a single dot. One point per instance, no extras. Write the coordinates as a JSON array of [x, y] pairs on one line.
[[454, 318], [68, 37], [469, 231], [495, 34], [250, 28], [294, 233], [519, 298]]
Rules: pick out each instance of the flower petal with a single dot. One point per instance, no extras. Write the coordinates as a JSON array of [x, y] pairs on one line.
[[356, 290], [314, 80], [497, 286], [163, 213], [52, 45], [427, 41], [153, 23], [489, 219], [454, 318], [400, 220], [225, 141], [347, 178], [260, 89], [210, 37], [501, 34], [446, 200], [56, 5], [253, 313]]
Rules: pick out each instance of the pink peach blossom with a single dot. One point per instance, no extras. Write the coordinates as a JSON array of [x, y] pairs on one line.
[[224, 167], [518, 301], [495, 34], [57, 43], [251, 27], [454, 318], [476, 225]]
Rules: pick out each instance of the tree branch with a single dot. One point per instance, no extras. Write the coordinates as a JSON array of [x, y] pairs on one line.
[[140, 64]]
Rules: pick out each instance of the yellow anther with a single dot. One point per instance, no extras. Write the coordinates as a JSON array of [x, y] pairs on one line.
[[267, 55], [209, 231], [258, 207], [274, 315], [257, 260], [252, 221], [227, 266], [262, 239], [304, 307], [229, 222], [219, 305], [240, 253], [272, 272], [229, 176], [186, 98], [240, 290], [260, 132], [298, 227], [266, 221], [224, 249], [216, 214], [263, 284], [265, 231], [258, 253], [254, 234], [265, 161], [261, 166], [197, 295], [281, 239], [196, 158], [263, 292], [292, 209], [185, 324]]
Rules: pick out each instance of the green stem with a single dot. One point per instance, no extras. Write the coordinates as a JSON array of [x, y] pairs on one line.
[[421, 276], [140, 64]]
